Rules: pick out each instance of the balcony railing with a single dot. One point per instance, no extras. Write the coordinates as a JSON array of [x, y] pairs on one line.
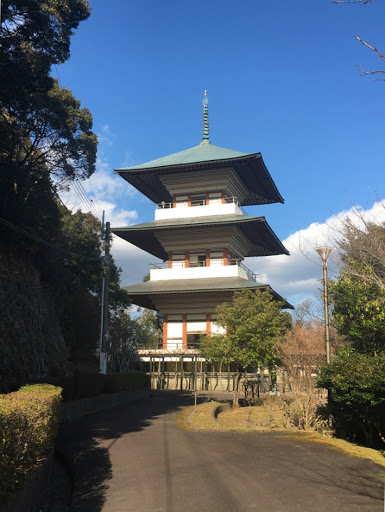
[[200, 202], [182, 264]]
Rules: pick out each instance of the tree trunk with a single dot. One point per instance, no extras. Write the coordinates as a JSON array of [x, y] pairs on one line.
[[236, 391]]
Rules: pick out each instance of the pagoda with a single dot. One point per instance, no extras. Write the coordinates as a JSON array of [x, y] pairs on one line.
[[201, 233]]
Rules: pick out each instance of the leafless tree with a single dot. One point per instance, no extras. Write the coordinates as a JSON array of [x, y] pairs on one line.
[[362, 249]]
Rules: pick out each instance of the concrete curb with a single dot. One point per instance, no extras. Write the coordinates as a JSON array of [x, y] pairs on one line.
[[77, 409]]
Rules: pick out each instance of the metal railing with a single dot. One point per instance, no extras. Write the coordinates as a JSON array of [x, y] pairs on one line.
[[200, 202], [182, 264]]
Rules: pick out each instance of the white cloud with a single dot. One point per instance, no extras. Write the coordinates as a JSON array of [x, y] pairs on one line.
[[297, 276], [105, 136], [134, 262], [79, 197], [104, 184]]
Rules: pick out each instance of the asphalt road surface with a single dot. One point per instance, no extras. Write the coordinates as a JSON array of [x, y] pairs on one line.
[[136, 458]]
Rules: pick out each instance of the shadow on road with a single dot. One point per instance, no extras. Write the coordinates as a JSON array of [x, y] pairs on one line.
[[85, 443]]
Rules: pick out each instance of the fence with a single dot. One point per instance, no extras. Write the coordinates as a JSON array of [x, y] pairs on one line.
[[210, 381]]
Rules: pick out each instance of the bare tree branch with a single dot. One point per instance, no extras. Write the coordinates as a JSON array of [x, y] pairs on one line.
[[353, 1], [370, 47]]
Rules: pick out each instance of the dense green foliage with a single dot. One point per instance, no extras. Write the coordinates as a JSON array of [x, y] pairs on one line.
[[29, 420], [359, 313], [357, 387], [355, 377], [253, 324], [43, 130], [127, 334], [51, 261]]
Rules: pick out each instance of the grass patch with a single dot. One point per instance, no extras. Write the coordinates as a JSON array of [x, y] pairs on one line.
[[354, 450], [262, 419], [199, 418]]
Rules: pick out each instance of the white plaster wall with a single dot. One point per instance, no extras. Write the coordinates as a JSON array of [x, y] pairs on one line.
[[217, 329], [198, 272], [184, 211], [196, 326], [175, 330]]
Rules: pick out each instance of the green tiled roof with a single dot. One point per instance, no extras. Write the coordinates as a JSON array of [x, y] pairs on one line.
[[249, 167], [141, 293], [201, 153]]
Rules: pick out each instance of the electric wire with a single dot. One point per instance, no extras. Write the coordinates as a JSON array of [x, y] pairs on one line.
[[85, 199], [23, 232]]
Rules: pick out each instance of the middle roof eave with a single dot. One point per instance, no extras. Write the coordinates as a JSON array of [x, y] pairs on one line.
[[256, 229]]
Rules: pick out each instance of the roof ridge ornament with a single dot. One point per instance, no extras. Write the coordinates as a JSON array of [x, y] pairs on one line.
[[205, 133]]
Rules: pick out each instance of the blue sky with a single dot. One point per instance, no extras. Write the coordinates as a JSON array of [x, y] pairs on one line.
[[282, 79]]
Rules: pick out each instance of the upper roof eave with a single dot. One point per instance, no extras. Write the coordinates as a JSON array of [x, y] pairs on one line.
[[204, 152], [250, 168]]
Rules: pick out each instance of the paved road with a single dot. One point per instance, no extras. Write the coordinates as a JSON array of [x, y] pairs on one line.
[[137, 459]]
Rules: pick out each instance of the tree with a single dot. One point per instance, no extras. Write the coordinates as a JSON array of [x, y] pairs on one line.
[[127, 334], [43, 130], [124, 339], [303, 350], [354, 377], [362, 250], [253, 323], [80, 278], [151, 326], [359, 313], [357, 387], [358, 296]]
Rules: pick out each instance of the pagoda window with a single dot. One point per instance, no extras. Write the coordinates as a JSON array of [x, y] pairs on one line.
[[193, 339], [181, 201], [178, 259], [215, 197], [216, 257], [197, 259], [196, 326], [198, 199]]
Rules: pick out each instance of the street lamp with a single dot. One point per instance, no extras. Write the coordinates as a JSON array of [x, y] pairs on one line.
[[324, 253]]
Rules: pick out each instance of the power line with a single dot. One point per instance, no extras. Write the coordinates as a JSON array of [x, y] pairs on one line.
[[23, 232], [82, 194], [89, 200]]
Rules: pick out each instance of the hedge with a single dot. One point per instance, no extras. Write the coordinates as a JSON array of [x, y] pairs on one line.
[[29, 420], [86, 385]]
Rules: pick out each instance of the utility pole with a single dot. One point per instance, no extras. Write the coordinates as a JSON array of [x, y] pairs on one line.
[[324, 253], [103, 344]]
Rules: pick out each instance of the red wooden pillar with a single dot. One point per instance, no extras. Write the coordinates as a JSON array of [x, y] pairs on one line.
[[189, 200], [184, 332], [207, 198], [208, 324], [225, 257], [223, 197], [170, 259], [165, 331], [174, 201], [207, 257], [186, 259]]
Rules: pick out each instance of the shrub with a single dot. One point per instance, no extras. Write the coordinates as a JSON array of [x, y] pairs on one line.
[[357, 396], [86, 385], [29, 420]]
